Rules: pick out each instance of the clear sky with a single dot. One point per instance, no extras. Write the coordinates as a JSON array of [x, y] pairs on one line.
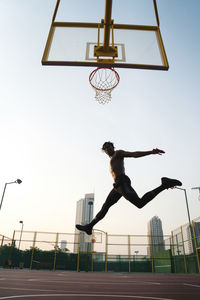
[[52, 129]]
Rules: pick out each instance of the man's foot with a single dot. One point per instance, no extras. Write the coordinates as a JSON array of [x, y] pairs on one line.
[[85, 228], [170, 183]]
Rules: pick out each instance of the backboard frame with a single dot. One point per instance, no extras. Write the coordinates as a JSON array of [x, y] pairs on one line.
[[117, 64]]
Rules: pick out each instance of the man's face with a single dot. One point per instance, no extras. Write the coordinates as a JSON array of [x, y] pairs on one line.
[[109, 149]]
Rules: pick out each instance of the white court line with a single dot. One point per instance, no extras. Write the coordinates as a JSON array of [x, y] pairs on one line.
[[84, 295], [2, 279], [89, 282], [144, 282], [33, 279], [191, 285]]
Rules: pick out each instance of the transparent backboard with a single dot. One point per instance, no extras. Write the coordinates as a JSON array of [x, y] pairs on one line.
[[77, 27]]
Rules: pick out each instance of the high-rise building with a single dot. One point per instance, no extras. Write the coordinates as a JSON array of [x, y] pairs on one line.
[[155, 236], [84, 215]]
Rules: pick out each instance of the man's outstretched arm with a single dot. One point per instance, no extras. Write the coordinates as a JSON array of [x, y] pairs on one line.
[[137, 154]]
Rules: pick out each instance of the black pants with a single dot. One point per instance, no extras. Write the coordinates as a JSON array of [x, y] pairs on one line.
[[122, 187]]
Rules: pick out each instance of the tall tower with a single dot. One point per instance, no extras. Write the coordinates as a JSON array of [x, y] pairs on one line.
[[84, 215], [155, 235]]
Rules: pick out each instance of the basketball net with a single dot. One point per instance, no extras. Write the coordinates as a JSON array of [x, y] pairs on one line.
[[104, 80]]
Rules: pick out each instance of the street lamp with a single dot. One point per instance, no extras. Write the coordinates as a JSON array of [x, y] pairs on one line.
[[188, 212], [21, 222], [197, 188], [16, 181], [136, 253]]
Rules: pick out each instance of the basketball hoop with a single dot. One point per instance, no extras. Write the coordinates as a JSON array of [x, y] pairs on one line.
[[104, 80]]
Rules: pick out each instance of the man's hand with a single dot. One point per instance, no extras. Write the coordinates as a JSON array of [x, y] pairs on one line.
[[157, 151]]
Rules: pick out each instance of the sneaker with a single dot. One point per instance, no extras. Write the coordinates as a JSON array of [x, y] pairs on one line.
[[84, 228], [170, 183]]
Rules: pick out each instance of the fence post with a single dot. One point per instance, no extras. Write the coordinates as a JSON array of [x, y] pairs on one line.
[[78, 257], [195, 244], [151, 251], [56, 247], [185, 262], [173, 251], [129, 254], [11, 248], [106, 254], [2, 240], [93, 240], [33, 248]]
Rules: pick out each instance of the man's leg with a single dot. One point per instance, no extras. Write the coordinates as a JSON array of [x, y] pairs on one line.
[[130, 194], [112, 198]]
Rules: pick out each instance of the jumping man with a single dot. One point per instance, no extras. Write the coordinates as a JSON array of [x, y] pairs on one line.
[[122, 184]]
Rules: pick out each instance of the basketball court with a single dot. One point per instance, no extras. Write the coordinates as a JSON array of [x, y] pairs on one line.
[[107, 41], [26, 284]]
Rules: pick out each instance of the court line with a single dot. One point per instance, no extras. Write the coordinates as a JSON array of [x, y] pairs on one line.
[[84, 295], [33, 279], [89, 282], [144, 282], [193, 285]]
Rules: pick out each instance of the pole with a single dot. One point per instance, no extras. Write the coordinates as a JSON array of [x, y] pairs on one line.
[[187, 206], [107, 23], [3, 195], [197, 188], [186, 200], [16, 181], [21, 233], [188, 213]]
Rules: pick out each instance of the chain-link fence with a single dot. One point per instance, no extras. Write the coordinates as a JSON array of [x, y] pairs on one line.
[[103, 252]]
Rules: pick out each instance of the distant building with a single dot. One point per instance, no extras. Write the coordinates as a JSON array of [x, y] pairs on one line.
[[155, 236], [63, 245], [84, 215]]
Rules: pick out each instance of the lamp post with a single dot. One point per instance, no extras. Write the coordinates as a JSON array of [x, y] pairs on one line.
[[136, 253], [197, 188], [21, 222], [188, 212], [16, 181], [186, 199]]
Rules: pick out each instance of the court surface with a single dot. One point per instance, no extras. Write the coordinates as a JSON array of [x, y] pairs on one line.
[[26, 284]]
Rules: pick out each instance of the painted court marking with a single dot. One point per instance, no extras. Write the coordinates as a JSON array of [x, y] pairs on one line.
[[83, 295], [193, 285], [87, 282], [33, 279]]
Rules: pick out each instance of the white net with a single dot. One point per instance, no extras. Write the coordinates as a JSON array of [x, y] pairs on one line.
[[103, 97], [104, 80]]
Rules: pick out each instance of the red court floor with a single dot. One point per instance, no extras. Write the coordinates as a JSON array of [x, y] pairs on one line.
[[42, 285]]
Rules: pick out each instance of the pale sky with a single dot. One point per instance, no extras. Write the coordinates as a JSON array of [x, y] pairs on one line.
[[52, 129]]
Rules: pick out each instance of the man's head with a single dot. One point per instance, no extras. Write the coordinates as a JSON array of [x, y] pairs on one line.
[[108, 148]]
